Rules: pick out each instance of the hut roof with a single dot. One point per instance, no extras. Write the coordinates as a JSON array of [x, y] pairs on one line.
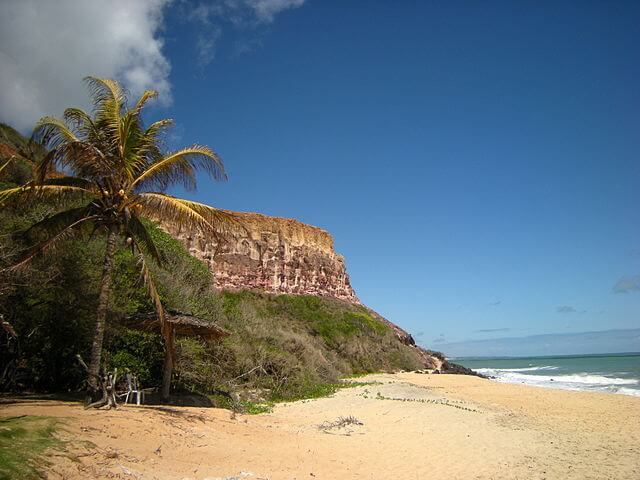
[[182, 323]]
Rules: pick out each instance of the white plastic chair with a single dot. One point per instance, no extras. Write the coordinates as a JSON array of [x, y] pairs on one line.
[[133, 389]]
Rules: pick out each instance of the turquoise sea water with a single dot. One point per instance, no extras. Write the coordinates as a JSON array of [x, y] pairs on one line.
[[613, 373]]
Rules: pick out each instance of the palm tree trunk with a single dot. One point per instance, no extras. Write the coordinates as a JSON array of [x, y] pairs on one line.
[[101, 314], [167, 370]]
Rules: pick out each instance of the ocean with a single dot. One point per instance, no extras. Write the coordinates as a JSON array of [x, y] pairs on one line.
[[611, 373]]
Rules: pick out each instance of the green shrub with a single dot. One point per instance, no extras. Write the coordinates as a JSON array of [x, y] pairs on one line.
[[136, 352]]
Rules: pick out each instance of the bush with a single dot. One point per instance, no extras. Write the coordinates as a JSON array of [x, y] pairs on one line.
[[136, 352], [302, 345]]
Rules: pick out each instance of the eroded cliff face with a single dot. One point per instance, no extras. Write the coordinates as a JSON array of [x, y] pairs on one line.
[[275, 255], [279, 255]]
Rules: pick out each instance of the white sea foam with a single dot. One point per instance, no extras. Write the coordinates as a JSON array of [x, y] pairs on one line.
[[528, 369], [628, 391], [577, 381], [580, 378]]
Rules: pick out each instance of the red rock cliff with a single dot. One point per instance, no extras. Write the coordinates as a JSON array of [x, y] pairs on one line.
[[276, 255], [279, 255]]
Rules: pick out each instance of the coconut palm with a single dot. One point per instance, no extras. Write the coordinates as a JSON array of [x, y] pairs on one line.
[[110, 171]]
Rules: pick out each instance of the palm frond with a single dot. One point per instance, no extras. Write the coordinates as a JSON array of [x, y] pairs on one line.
[[147, 280], [129, 160], [155, 128], [8, 195], [148, 148], [5, 164], [144, 98], [162, 207], [223, 221], [54, 224], [184, 213], [81, 159], [137, 148], [70, 181], [55, 193], [180, 167], [82, 123], [143, 238], [51, 132], [109, 101], [103, 91], [51, 243], [46, 166]]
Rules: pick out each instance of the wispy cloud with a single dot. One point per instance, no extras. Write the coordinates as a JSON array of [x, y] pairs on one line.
[[568, 309], [440, 339], [249, 17], [493, 330], [266, 10], [206, 46], [627, 285], [495, 304]]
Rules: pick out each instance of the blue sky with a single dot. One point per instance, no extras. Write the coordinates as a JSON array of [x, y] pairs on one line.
[[476, 162]]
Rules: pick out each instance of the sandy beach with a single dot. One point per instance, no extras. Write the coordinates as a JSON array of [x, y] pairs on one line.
[[406, 425]]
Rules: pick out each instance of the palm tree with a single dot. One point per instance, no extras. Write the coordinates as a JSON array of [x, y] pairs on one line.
[[111, 173]]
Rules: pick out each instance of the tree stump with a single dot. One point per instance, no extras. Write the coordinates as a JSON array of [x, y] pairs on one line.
[[107, 383]]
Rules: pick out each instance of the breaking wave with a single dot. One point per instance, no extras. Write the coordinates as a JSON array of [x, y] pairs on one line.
[[577, 381], [528, 369]]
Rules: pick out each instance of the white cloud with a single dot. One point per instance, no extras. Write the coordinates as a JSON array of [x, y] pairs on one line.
[[47, 47]]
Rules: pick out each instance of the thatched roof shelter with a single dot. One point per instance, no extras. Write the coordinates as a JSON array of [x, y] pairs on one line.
[[182, 324]]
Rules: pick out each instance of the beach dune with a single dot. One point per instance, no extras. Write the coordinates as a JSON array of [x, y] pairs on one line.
[[406, 425]]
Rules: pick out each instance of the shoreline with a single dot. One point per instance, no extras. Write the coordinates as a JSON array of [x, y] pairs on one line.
[[629, 392], [617, 373], [404, 425]]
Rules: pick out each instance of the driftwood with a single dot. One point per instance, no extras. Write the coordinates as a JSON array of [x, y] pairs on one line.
[[107, 383], [232, 387], [236, 405], [341, 422]]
